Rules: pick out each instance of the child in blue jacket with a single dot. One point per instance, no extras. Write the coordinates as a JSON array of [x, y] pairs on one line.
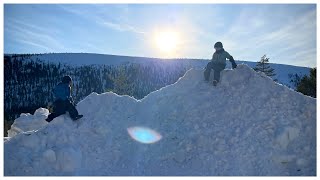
[[63, 100]]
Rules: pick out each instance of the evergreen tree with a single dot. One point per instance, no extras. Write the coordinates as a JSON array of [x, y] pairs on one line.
[[295, 79], [122, 83], [29, 81], [308, 84], [263, 66]]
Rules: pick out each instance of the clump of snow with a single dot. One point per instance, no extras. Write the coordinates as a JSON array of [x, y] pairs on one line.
[[287, 136], [27, 122], [247, 125], [50, 156]]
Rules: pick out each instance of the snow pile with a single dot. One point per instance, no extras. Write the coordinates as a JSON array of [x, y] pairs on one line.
[[27, 122], [247, 125]]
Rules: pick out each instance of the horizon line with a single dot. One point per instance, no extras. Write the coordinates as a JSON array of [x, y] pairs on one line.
[[132, 56]]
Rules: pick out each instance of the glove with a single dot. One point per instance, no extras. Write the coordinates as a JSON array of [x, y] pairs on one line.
[[71, 100], [234, 65]]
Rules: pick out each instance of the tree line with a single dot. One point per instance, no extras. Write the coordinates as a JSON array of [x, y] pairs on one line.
[[28, 82]]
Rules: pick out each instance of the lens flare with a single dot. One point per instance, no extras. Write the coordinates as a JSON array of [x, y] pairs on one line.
[[144, 135]]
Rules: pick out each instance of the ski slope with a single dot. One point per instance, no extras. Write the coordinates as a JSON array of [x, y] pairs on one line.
[[247, 125]]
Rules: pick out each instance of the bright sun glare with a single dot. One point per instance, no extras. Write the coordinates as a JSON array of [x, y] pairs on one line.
[[167, 41]]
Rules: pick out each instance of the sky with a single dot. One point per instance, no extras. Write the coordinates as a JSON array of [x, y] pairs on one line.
[[286, 33]]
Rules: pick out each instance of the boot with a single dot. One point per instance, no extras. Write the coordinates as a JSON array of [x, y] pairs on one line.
[[77, 117]]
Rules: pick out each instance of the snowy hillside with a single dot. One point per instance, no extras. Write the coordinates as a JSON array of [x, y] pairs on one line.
[[247, 125], [78, 59]]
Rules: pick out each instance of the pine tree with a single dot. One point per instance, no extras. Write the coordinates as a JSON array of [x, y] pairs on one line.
[[295, 79], [122, 83], [308, 84], [31, 82], [263, 66]]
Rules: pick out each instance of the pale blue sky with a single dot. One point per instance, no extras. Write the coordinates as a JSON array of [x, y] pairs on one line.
[[286, 33]]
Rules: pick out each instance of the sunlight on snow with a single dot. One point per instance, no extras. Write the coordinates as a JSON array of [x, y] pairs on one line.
[[144, 135]]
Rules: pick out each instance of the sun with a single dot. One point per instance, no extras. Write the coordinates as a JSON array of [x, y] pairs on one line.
[[167, 41]]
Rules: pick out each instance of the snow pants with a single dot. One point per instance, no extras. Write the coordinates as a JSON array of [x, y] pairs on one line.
[[217, 68], [61, 107]]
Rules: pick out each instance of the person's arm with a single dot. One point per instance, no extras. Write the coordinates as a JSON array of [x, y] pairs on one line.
[[66, 92], [69, 94], [234, 65]]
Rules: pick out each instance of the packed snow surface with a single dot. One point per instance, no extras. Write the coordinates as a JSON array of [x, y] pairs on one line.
[[246, 125]]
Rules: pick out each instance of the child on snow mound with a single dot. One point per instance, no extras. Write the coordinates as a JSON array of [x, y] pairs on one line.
[[63, 100], [218, 62]]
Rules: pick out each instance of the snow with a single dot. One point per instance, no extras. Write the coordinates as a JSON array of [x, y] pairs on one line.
[[50, 156], [27, 122], [286, 136], [246, 125]]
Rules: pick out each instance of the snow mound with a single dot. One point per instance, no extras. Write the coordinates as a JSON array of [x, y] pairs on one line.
[[247, 125], [27, 122]]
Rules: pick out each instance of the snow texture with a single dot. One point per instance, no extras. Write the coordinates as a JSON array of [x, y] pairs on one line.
[[27, 122], [246, 125]]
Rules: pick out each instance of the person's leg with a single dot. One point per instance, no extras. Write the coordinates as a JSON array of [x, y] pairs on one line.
[[207, 71], [58, 109], [72, 110], [51, 117], [217, 70]]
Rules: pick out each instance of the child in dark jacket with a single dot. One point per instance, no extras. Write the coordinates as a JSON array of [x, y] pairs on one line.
[[63, 100], [218, 62]]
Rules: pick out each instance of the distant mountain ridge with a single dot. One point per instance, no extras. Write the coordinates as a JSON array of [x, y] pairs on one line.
[[80, 59], [95, 58]]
